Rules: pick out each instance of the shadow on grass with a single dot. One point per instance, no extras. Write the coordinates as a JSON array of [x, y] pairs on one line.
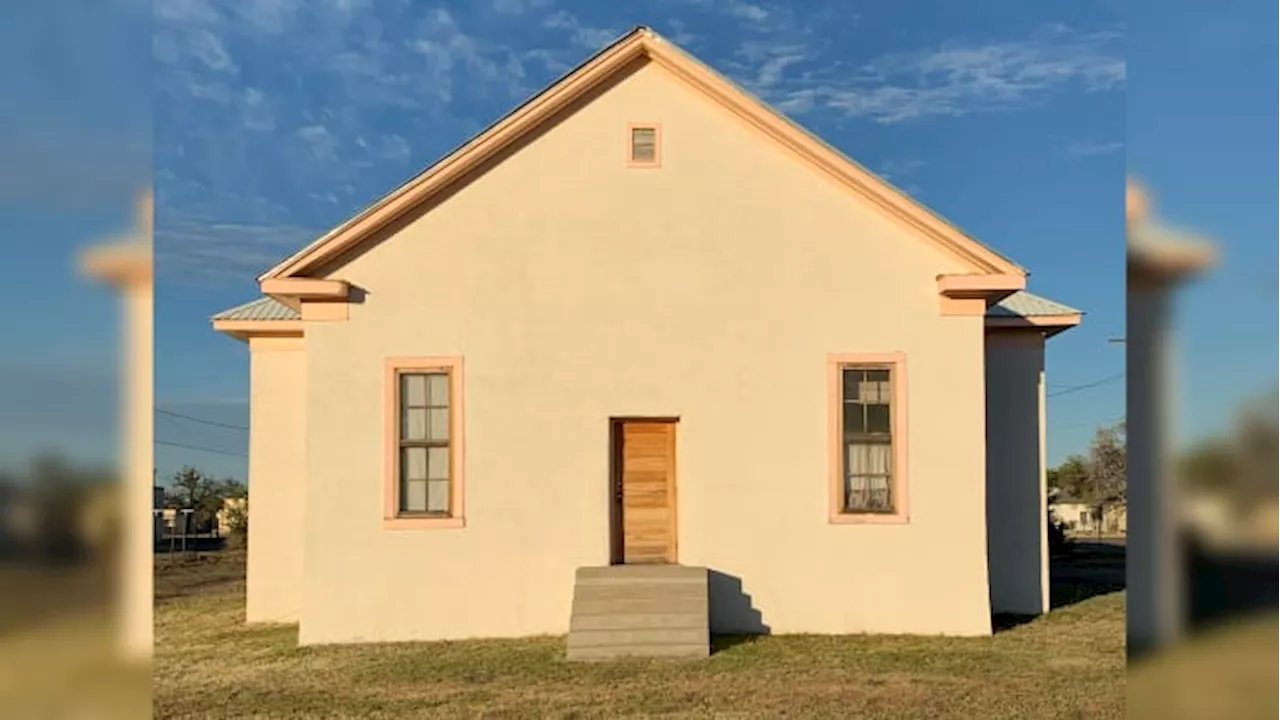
[[720, 643], [1085, 570]]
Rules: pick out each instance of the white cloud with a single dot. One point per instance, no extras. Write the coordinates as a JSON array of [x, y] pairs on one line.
[[797, 102], [207, 48], [185, 11], [267, 16], [679, 33], [746, 11], [518, 7], [948, 81], [1088, 148], [739, 9], [770, 73], [194, 249], [256, 112], [591, 38], [899, 168], [446, 49], [322, 145], [394, 147], [551, 62]]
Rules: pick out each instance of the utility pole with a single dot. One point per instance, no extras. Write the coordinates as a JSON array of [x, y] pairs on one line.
[[1158, 261], [186, 523]]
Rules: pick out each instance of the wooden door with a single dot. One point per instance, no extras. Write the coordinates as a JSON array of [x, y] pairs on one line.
[[645, 491]]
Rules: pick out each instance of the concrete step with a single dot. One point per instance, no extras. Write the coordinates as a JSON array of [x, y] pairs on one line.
[[646, 637], [697, 650], [630, 606], [636, 621], [639, 611], [639, 591], [632, 574]]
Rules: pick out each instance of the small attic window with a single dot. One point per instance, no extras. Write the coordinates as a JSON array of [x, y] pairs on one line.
[[644, 146]]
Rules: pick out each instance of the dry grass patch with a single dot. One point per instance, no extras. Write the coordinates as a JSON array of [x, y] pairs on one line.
[[1068, 664]]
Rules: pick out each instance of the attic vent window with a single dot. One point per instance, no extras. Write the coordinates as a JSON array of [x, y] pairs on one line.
[[644, 146]]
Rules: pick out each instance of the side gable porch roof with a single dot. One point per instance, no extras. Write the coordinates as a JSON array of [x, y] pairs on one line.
[[599, 68]]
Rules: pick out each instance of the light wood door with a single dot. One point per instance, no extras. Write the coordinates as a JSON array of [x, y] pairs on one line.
[[646, 491]]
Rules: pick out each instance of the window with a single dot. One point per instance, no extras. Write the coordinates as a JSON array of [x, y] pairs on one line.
[[424, 433], [868, 440], [868, 418], [644, 146]]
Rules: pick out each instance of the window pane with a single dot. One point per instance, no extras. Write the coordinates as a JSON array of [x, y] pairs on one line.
[[413, 424], [437, 463], [413, 463], [414, 496], [868, 476], [868, 493], [868, 458], [853, 419], [413, 390], [878, 418], [438, 424], [438, 384], [852, 383], [878, 376], [438, 496]]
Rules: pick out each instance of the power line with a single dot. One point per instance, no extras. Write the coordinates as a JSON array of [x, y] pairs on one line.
[[202, 420], [1077, 388], [202, 449]]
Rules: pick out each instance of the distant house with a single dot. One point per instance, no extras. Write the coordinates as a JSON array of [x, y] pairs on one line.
[[226, 516], [1082, 517], [645, 320]]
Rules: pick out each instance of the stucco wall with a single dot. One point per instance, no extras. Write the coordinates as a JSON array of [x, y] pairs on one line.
[[712, 289], [1017, 523], [277, 426]]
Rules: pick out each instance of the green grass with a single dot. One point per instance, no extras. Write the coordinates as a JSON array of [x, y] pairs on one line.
[[208, 663]]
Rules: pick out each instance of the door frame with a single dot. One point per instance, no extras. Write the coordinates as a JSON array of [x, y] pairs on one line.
[[616, 538]]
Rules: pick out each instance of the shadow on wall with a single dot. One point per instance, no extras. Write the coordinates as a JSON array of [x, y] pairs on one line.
[[733, 618]]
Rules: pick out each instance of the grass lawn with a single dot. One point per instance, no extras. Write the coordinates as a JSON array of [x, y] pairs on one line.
[[1068, 664]]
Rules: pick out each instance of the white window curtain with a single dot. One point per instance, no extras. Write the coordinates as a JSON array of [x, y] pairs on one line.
[[868, 469]]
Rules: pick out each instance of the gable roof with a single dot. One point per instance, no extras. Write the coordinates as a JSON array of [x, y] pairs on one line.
[[598, 69]]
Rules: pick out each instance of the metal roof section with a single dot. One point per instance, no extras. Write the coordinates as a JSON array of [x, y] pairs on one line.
[[264, 308], [1025, 304]]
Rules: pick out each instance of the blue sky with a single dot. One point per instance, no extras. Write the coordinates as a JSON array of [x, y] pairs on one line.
[[74, 121], [274, 120], [1201, 134]]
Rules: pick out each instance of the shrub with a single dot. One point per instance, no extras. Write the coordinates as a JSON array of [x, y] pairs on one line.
[[1059, 543]]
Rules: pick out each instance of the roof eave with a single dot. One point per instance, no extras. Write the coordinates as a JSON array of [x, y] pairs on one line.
[[243, 330], [1048, 325]]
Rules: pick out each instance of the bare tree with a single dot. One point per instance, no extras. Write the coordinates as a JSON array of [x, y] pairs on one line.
[[1107, 464]]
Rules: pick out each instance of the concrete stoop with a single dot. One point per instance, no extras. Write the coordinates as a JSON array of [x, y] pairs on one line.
[[639, 611]]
